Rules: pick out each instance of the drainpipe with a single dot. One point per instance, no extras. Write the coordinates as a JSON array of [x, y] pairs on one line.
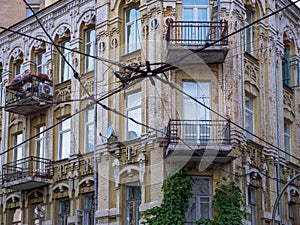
[[277, 134], [95, 131]]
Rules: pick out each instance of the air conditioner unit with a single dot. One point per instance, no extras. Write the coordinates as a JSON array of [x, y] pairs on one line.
[[46, 90]]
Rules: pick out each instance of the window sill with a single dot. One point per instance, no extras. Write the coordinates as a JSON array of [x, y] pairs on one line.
[[131, 55]]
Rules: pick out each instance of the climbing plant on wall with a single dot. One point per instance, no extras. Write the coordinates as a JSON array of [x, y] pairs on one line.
[[177, 191]]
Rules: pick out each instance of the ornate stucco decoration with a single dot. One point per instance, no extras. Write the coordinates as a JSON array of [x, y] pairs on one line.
[[17, 54], [63, 32], [89, 17]]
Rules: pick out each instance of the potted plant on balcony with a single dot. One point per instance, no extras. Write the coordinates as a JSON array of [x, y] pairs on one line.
[[16, 84], [43, 76]]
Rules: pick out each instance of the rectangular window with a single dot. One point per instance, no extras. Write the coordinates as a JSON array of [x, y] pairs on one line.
[[133, 30], [63, 211], [65, 69], [133, 201], [17, 152], [287, 140], [89, 131], [195, 11], [195, 116], [39, 214], [133, 110], [249, 116], [40, 63], [286, 73], [64, 139], [292, 212], [252, 205], [90, 39], [15, 216], [249, 32], [18, 67], [29, 12], [200, 204], [40, 142]]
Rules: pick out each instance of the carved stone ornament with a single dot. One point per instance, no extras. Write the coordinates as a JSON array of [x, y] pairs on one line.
[[88, 18], [63, 32], [17, 54], [39, 45]]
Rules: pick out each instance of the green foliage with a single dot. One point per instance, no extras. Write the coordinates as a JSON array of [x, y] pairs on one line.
[[177, 191], [228, 204]]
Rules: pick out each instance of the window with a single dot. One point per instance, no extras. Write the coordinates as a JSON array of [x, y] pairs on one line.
[[64, 139], [287, 140], [18, 67], [89, 131], [286, 73], [249, 32], [195, 11], [17, 152], [133, 201], [65, 69], [90, 38], [29, 12], [40, 142], [200, 204], [133, 29], [40, 63], [63, 211], [195, 116], [133, 110], [249, 116], [15, 216], [86, 216], [252, 205], [291, 211], [39, 214]]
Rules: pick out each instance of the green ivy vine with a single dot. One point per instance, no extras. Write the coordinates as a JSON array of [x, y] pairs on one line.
[[177, 191]]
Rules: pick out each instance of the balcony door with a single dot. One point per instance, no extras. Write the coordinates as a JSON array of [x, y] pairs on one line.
[[195, 14], [196, 124]]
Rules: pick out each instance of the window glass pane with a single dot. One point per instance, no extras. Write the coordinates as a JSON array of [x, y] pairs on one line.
[[133, 201], [134, 111], [63, 211], [64, 139], [89, 131], [65, 69], [132, 29], [41, 63], [195, 2], [90, 38]]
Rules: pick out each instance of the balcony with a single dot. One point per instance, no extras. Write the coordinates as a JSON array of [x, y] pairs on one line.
[[196, 35], [196, 138], [28, 173], [29, 94]]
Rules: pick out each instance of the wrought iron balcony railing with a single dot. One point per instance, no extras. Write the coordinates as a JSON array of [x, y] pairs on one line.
[[30, 170], [197, 33], [199, 132]]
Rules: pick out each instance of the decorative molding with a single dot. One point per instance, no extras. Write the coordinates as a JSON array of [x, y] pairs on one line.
[[17, 54]]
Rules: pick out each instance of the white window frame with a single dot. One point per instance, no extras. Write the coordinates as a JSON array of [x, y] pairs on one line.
[[40, 149], [62, 132], [40, 63], [198, 130], [89, 48], [248, 39], [65, 75], [136, 28], [195, 10], [249, 113], [137, 105], [196, 202], [18, 67], [18, 151], [287, 140], [89, 131]]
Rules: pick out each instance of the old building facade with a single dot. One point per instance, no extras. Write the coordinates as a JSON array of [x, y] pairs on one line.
[[108, 98]]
